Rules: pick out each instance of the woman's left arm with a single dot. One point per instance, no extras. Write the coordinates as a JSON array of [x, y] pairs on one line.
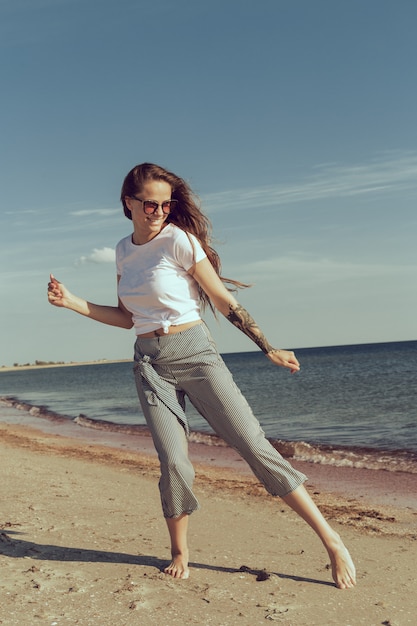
[[204, 273]]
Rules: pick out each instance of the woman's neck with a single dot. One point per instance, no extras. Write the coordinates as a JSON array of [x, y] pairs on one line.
[[140, 238]]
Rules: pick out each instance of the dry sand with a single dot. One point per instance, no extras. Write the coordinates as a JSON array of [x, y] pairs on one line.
[[83, 542]]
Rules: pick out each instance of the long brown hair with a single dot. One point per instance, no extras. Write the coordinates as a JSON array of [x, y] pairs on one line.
[[187, 216]]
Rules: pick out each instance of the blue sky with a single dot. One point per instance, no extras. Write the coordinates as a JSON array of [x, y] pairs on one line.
[[295, 122]]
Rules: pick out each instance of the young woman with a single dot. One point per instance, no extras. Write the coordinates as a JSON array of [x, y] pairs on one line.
[[166, 271]]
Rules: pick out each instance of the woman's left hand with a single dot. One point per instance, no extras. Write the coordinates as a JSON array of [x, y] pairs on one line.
[[284, 358]]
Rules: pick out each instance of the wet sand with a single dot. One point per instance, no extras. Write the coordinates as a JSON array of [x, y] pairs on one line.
[[83, 541]]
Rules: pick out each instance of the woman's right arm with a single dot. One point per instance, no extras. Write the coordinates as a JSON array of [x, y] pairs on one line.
[[58, 295]]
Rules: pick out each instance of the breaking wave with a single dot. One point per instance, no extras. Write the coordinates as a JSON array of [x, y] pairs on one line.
[[339, 456]]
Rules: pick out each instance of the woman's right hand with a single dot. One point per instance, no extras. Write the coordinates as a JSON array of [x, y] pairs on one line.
[[58, 294]]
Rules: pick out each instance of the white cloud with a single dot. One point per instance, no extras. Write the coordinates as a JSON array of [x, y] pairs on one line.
[[90, 212], [99, 255], [392, 171], [324, 270]]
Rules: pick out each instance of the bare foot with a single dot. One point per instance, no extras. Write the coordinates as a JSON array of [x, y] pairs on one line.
[[343, 569], [178, 568]]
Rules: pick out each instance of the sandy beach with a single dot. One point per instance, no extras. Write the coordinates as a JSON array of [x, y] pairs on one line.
[[83, 541]]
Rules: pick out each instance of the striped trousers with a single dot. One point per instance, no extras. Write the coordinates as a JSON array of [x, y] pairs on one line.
[[171, 367]]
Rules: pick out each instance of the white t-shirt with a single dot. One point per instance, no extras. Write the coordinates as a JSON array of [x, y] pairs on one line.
[[154, 282]]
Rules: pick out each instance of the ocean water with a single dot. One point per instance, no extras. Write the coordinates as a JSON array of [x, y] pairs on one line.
[[350, 405]]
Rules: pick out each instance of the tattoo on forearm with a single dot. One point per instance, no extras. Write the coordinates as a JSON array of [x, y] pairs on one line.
[[240, 318]]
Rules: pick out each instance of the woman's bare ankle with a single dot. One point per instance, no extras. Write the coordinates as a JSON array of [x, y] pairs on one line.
[[178, 526], [178, 568], [343, 568]]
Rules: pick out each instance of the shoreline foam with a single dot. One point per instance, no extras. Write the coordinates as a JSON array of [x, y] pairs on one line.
[[373, 486], [359, 457]]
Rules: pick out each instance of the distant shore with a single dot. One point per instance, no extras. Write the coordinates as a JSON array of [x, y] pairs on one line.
[[45, 365]]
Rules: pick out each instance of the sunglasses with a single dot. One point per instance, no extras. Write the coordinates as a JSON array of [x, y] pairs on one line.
[[150, 206]]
